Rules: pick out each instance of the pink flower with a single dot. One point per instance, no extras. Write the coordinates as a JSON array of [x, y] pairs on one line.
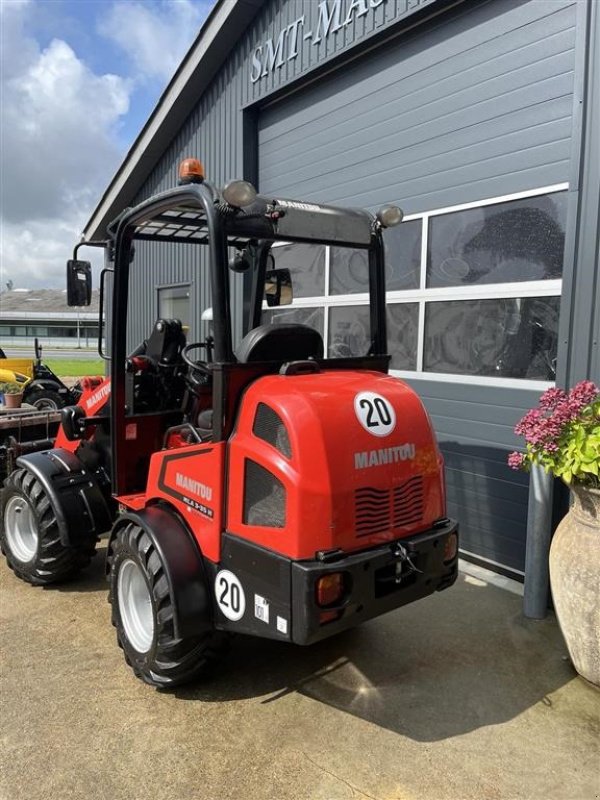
[[584, 393], [515, 460], [551, 397], [559, 430]]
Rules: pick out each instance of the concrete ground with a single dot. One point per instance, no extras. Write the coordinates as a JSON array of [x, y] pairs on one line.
[[457, 696]]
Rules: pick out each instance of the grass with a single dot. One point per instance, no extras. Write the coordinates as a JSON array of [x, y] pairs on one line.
[[75, 367]]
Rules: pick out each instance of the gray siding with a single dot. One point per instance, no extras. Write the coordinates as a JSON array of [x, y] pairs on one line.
[[474, 426], [478, 107], [579, 352], [475, 108], [318, 49]]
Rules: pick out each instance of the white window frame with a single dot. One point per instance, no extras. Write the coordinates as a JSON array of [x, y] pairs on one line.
[[423, 295]]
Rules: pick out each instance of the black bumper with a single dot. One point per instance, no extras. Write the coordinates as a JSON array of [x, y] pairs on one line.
[[378, 580]]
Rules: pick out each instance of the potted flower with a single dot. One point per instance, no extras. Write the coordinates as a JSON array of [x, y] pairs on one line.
[[13, 394], [563, 436]]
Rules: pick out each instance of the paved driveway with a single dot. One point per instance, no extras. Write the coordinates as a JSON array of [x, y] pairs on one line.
[[454, 697]]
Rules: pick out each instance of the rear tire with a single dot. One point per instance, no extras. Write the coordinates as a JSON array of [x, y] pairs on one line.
[[45, 400], [29, 534], [143, 615]]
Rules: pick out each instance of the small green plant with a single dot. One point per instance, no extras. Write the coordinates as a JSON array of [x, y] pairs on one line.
[[563, 435], [10, 387]]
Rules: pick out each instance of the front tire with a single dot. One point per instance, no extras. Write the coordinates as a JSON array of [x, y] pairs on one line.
[[29, 534], [143, 615]]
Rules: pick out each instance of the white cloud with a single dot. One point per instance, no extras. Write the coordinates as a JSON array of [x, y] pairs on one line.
[[155, 36], [59, 148], [61, 124]]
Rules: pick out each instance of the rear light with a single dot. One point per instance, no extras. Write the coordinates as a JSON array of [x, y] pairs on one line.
[[450, 548], [329, 616], [330, 589]]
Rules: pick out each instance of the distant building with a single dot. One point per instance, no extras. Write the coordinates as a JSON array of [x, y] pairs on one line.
[[27, 313]]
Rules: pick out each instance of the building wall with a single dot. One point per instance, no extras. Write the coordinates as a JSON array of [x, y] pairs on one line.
[[413, 103]]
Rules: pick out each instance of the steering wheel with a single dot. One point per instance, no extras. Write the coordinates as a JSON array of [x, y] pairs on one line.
[[197, 366]]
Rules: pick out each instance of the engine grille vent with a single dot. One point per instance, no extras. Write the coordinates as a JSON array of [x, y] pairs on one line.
[[264, 497], [269, 426], [380, 510], [407, 502]]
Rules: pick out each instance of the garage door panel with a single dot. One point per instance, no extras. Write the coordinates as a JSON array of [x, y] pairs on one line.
[[381, 113], [328, 152], [369, 170], [538, 164], [476, 55]]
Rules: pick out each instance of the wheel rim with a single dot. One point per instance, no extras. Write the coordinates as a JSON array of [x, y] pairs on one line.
[[46, 403], [135, 606], [21, 530]]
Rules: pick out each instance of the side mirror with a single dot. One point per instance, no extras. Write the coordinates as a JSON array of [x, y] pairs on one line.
[[79, 283], [278, 287]]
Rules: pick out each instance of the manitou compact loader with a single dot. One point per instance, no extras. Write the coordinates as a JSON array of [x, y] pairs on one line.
[[264, 489]]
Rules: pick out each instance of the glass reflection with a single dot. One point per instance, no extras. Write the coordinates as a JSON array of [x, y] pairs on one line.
[[403, 325], [514, 338], [521, 240], [306, 263], [313, 317], [349, 269], [349, 331]]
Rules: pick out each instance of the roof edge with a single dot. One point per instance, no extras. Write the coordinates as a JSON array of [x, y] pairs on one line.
[[196, 71]]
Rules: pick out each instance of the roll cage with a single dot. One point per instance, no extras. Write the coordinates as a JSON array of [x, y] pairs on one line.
[[195, 214]]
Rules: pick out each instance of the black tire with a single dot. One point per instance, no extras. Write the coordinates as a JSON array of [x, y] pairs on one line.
[[44, 399], [46, 560], [163, 660]]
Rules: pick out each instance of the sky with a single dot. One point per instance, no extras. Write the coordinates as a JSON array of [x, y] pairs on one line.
[[78, 80]]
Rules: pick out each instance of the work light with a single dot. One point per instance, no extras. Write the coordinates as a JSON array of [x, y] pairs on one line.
[[239, 194], [388, 216]]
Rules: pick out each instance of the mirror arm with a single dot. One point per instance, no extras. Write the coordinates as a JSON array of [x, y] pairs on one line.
[[86, 243], [101, 352]]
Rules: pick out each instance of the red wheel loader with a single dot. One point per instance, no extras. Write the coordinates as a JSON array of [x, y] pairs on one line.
[[264, 489]]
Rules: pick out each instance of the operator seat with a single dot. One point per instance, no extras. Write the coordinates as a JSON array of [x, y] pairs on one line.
[[285, 342]]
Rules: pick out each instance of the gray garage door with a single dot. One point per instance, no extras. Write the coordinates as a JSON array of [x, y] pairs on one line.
[[477, 109]]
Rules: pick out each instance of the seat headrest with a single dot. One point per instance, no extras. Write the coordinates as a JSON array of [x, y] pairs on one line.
[[285, 342]]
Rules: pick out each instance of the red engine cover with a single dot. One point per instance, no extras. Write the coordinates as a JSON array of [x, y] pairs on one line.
[[363, 464]]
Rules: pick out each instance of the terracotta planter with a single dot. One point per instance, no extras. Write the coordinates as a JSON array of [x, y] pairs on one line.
[[13, 400], [575, 581]]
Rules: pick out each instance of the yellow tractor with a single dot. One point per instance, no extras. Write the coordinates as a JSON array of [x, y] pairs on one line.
[[41, 387]]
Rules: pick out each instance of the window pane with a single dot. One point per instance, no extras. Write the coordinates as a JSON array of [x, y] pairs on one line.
[[522, 240], [313, 317], [174, 303], [507, 338], [403, 324], [349, 269], [349, 331], [403, 255], [306, 262]]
